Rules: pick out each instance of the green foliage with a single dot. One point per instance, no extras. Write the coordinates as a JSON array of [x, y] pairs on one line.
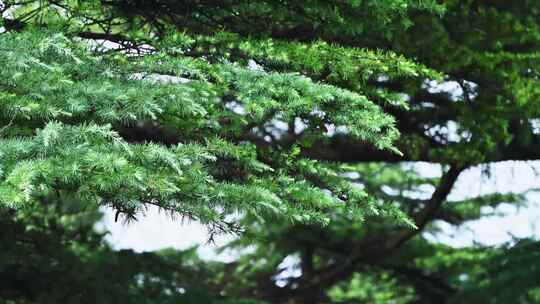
[[87, 113], [51, 253], [299, 124], [381, 288]]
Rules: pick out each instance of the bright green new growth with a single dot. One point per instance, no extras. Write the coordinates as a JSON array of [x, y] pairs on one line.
[[106, 130]]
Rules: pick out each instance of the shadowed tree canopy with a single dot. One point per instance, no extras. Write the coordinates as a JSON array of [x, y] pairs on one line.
[[292, 124]]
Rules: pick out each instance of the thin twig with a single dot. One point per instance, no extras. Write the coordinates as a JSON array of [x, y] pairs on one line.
[[8, 125]]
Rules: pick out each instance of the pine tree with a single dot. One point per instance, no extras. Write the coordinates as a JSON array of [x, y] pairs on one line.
[[289, 123]]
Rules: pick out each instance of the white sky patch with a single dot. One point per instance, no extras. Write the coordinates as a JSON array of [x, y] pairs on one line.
[[535, 124], [512, 221], [449, 132], [451, 87], [422, 192], [236, 107], [252, 65], [290, 269], [299, 125], [157, 230], [159, 79]]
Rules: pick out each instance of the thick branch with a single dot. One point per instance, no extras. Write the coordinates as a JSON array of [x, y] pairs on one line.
[[341, 148], [362, 253], [431, 209]]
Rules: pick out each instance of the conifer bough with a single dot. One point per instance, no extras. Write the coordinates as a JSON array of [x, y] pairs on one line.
[[83, 125]]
